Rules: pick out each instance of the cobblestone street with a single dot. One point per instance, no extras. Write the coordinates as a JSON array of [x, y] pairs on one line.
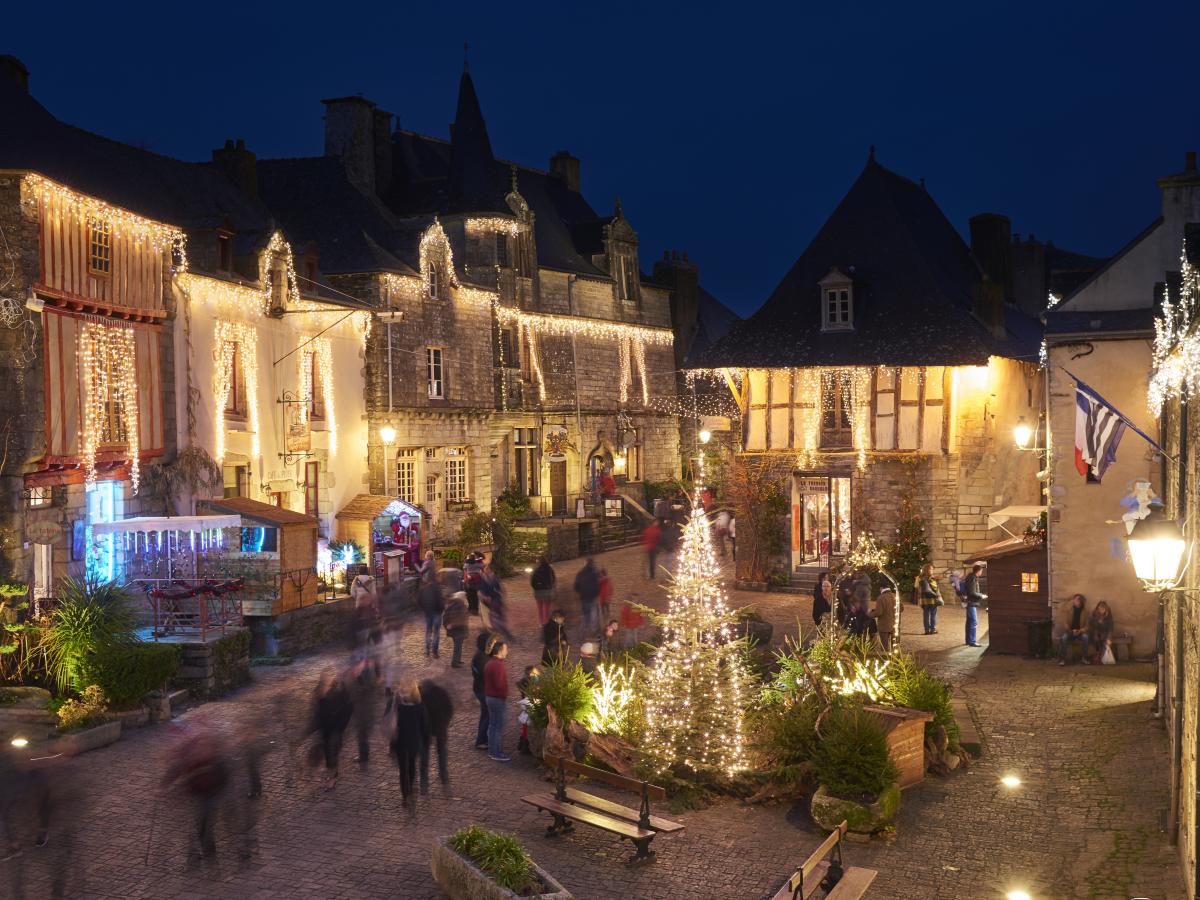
[[1083, 823]]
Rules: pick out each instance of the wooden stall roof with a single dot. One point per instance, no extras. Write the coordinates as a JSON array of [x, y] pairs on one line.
[[1006, 547], [370, 506], [263, 513]]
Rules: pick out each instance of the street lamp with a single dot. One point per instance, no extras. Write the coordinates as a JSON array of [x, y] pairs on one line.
[[387, 434], [1156, 547], [705, 435], [1022, 434]]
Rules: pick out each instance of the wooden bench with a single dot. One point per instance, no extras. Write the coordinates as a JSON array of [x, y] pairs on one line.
[[819, 872], [568, 805], [1122, 648]]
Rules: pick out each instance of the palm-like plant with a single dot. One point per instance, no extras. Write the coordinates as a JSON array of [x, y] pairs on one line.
[[91, 615]]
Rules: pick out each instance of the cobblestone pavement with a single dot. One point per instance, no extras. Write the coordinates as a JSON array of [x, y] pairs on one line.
[[1084, 822]]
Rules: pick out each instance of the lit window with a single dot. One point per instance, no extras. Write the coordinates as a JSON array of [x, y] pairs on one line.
[[40, 496], [433, 370], [99, 247], [235, 405], [316, 388], [406, 475], [435, 283], [836, 391], [1029, 582], [836, 310], [456, 474]]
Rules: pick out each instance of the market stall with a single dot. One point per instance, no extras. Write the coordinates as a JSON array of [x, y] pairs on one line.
[[274, 549], [391, 532], [1017, 595]]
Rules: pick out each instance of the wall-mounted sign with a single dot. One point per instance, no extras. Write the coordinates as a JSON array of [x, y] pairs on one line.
[[44, 531], [299, 433], [557, 443], [812, 485]]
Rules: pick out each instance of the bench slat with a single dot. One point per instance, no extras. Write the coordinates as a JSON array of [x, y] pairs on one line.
[[587, 817], [811, 882], [823, 850], [621, 812], [653, 791], [853, 884]]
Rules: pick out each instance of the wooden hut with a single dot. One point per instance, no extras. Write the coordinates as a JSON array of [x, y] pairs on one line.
[[390, 531], [276, 549], [1016, 589]]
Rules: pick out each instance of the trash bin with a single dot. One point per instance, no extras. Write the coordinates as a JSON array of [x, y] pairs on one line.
[[1039, 637]]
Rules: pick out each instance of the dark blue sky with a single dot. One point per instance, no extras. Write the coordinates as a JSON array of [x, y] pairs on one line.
[[730, 134]]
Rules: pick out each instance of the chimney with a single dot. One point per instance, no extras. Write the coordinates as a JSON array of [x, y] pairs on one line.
[[350, 135], [565, 167], [682, 279], [239, 165], [991, 239], [1181, 196], [381, 133], [1189, 161], [12, 69]]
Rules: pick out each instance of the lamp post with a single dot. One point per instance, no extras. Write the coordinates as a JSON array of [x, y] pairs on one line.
[[387, 434]]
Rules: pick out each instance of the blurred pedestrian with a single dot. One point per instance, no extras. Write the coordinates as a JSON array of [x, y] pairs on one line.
[[721, 527], [495, 689], [652, 543], [822, 597], [410, 732], [670, 541], [555, 647], [198, 768], [366, 607], [733, 536], [543, 581], [604, 599], [432, 604], [440, 710], [478, 663], [885, 617], [493, 605], [456, 621], [429, 565], [472, 575], [588, 661], [931, 598], [333, 709], [587, 586], [364, 681]]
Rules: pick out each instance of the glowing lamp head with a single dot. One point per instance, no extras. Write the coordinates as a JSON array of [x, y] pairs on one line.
[[1156, 548], [1010, 781], [20, 742], [387, 434], [705, 435], [1022, 433], [1018, 895]]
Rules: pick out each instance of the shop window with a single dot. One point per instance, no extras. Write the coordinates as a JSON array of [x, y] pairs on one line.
[[406, 475], [312, 496], [99, 247], [434, 373], [260, 540], [277, 499], [456, 474], [1029, 582], [526, 443]]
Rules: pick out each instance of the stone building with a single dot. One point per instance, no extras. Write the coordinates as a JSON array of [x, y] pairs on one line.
[[516, 341], [886, 365], [1130, 332]]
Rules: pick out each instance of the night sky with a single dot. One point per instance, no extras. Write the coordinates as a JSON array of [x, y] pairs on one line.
[[731, 134]]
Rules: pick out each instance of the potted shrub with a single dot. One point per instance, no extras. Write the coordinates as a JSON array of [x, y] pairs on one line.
[[568, 689], [752, 626], [477, 864], [858, 780], [86, 723]]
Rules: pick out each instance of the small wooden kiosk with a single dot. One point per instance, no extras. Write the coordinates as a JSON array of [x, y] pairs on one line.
[[1016, 589], [390, 530], [277, 548]]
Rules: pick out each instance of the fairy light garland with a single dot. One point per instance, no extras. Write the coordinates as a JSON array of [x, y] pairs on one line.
[[697, 682], [625, 369], [108, 381], [62, 200], [318, 353], [1176, 353], [230, 338], [495, 224]]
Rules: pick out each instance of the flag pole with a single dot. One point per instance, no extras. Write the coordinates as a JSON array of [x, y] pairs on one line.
[[1120, 415]]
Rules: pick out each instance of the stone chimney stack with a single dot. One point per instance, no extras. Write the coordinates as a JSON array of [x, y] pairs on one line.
[[12, 69], [350, 135], [239, 165], [381, 135], [991, 245], [565, 167], [682, 279], [1181, 195]]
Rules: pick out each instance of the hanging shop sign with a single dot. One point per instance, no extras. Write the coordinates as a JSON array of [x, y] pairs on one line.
[[44, 531], [812, 485], [557, 444], [299, 433]]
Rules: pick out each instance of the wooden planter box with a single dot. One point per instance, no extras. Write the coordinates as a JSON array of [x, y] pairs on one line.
[[906, 740], [461, 879]]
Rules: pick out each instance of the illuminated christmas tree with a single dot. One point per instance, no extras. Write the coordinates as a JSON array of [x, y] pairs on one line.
[[697, 684]]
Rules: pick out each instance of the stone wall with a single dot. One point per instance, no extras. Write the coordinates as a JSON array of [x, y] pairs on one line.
[[215, 667], [301, 630]]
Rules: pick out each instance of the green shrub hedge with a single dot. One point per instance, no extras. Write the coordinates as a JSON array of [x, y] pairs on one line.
[[851, 759], [126, 672]]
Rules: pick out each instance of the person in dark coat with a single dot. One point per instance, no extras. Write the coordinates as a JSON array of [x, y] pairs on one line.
[[200, 769], [543, 582], [472, 575], [333, 710], [483, 646], [555, 645], [587, 586], [410, 733], [432, 604], [456, 620], [440, 708], [822, 598], [364, 692]]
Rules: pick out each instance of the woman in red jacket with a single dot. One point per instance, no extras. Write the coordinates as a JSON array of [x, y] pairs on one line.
[[495, 690]]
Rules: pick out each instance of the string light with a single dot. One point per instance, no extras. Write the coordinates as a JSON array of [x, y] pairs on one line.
[[611, 699], [697, 680], [626, 378], [582, 326], [511, 227], [108, 376], [1176, 356], [318, 353], [230, 339]]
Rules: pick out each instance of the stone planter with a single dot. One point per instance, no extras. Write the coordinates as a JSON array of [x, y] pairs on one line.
[[158, 706], [863, 818], [133, 718], [757, 632], [76, 742], [461, 879]]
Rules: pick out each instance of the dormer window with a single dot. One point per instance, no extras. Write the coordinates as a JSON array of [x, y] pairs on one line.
[[224, 251], [837, 302], [626, 278]]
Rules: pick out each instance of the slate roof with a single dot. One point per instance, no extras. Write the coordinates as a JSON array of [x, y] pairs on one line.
[[1067, 321], [190, 195], [713, 321], [913, 280]]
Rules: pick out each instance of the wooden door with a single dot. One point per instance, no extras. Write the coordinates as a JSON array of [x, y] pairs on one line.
[[558, 486]]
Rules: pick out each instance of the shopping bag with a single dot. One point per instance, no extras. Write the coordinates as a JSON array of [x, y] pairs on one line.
[[1107, 659]]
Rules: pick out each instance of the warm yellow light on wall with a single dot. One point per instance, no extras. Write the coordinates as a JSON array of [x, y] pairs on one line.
[[973, 378]]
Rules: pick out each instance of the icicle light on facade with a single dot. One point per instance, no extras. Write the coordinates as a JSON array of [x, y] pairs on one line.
[[1176, 352], [235, 340], [109, 389]]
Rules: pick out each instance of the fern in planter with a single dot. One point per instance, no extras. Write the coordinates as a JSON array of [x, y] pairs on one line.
[[851, 758], [498, 855], [913, 686], [569, 689]]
